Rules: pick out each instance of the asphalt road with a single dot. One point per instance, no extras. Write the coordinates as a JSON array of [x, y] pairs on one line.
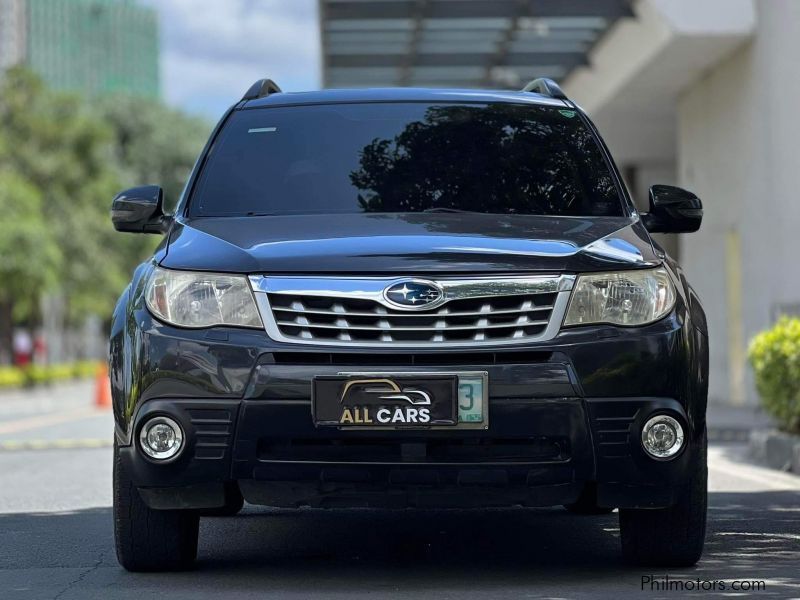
[[56, 536]]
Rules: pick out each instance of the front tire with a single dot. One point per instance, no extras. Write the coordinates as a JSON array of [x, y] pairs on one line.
[[674, 536], [148, 539]]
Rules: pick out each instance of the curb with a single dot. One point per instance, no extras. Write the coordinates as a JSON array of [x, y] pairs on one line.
[[728, 434], [776, 449]]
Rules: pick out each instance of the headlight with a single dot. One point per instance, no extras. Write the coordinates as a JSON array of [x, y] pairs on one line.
[[188, 299], [624, 298]]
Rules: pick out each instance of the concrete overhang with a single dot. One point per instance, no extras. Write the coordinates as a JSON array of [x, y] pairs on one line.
[[496, 44], [638, 69]]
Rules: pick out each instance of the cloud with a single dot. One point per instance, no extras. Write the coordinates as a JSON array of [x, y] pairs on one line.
[[213, 50]]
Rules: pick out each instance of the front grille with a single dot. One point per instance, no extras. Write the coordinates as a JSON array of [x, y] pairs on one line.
[[353, 312], [352, 320]]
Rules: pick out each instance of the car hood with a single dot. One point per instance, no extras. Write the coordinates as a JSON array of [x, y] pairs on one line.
[[418, 243]]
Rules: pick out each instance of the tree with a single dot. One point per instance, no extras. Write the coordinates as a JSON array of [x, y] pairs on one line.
[[53, 142], [497, 158], [61, 161], [31, 259], [152, 144]]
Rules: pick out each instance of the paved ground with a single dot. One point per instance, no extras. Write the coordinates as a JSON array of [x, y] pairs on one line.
[[56, 536]]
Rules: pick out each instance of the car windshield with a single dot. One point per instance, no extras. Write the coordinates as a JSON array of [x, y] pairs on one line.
[[406, 157]]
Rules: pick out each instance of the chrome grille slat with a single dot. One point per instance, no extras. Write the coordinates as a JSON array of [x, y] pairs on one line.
[[350, 311], [437, 313], [350, 327]]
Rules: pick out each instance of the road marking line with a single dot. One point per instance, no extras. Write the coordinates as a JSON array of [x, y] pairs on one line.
[[18, 445], [40, 421]]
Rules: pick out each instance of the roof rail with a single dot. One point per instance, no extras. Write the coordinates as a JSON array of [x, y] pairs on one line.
[[261, 88], [545, 87]]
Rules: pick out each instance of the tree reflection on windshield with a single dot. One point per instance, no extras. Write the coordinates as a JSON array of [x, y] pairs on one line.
[[496, 158]]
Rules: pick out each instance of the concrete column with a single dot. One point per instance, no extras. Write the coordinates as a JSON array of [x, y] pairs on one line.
[[738, 132]]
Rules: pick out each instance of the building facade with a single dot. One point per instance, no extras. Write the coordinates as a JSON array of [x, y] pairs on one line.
[[12, 32], [95, 46], [703, 95]]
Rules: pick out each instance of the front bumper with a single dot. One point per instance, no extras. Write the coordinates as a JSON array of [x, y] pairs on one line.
[[537, 452], [561, 416]]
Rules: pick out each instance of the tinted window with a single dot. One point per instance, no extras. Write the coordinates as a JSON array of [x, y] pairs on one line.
[[406, 157]]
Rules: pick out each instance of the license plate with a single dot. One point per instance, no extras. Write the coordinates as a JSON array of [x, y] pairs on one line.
[[400, 400]]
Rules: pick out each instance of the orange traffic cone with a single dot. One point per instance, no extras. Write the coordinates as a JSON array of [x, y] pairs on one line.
[[102, 388]]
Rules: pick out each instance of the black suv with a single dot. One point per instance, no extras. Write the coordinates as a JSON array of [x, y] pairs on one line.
[[408, 298]]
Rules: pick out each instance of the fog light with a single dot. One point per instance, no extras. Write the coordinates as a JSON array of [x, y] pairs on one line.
[[161, 438], [662, 436]]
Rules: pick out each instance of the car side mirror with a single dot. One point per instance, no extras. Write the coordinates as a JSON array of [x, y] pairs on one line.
[[673, 210], [140, 210]]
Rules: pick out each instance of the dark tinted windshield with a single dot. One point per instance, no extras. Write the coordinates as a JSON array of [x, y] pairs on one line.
[[406, 157]]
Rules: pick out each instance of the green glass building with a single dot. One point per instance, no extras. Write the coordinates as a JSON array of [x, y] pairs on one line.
[[94, 46]]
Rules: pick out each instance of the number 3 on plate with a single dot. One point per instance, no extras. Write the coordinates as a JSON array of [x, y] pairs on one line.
[[467, 391]]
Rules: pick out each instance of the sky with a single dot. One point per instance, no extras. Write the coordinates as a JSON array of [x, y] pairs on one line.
[[213, 50]]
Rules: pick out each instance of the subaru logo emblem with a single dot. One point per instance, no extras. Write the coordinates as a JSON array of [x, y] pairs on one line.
[[414, 294]]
